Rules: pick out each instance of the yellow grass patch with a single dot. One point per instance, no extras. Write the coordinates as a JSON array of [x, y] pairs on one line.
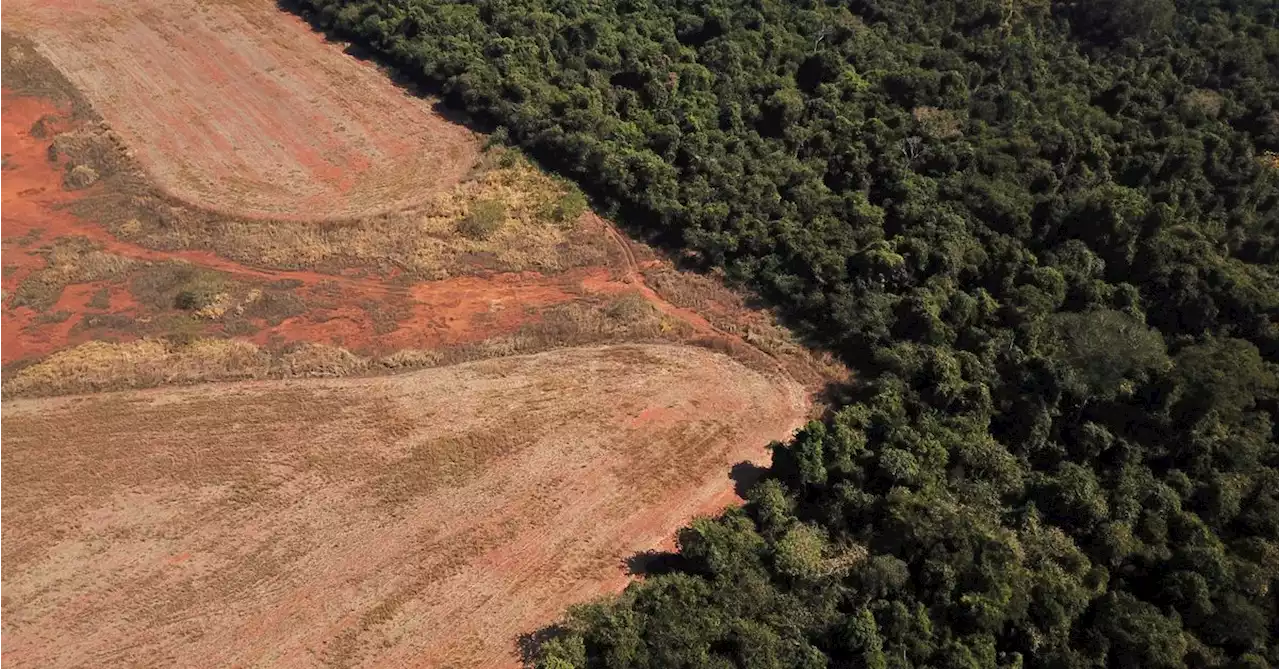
[[728, 313], [534, 233], [69, 260], [98, 365]]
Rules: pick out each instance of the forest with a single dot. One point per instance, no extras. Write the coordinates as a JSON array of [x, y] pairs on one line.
[[1043, 233]]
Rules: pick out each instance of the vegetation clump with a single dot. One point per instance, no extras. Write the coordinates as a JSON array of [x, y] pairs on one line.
[[68, 260], [483, 219], [80, 176]]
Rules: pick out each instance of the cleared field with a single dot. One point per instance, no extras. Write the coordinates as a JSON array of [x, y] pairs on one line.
[[241, 108], [426, 519]]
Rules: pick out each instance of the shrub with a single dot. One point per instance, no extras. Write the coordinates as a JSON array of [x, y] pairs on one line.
[[80, 176], [568, 207], [484, 218]]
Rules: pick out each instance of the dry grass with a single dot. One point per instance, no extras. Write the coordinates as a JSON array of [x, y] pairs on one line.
[[97, 365], [29, 73], [92, 147], [210, 295], [725, 309], [178, 284], [80, 176], [69, 260], [483, 219], [271, 305], [101, 299], [540, 228], [317, 361], [505, 218], [627, 318]]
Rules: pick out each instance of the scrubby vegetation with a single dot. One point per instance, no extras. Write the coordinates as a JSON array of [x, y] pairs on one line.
[[1044, 232]]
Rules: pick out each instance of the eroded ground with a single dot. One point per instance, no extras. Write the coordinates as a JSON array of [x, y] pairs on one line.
[[71, 278]]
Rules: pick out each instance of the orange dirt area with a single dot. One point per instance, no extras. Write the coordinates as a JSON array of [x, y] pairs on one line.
[[426, 519], [240, 108], [68, 281], [339, 309]]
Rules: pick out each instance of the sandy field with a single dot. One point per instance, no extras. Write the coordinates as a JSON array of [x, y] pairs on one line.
[[427, 519]]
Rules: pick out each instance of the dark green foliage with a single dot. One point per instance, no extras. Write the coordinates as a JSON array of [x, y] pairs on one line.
[[1044, 232], [1103, 350]]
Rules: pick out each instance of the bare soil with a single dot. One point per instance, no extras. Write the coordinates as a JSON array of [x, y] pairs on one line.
[[237, 107], [362, 311], [419, 520]]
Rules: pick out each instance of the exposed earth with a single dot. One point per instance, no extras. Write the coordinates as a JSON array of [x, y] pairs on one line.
[[423, 519], [239, 107]]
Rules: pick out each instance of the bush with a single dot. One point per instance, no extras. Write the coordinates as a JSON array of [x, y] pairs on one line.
[[80, 176], [192, 300], [570, 207], [485, 218]]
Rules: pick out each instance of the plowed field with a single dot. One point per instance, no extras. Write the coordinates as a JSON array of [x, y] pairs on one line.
[[241, 108], [421, 520]]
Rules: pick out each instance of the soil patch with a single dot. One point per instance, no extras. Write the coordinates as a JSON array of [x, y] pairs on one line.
[[231, 525], [240, 108]]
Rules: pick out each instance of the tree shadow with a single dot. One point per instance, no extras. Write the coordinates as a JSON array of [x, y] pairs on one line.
[[530, 643], [667, 240], [420, 87], [653, 563], [745, 475]]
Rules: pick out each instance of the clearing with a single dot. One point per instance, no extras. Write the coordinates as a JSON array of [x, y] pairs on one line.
[[425, 519], [240, 108]]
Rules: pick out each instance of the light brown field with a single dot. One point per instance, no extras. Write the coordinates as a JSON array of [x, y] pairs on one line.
[[425, 519], [241, 108]]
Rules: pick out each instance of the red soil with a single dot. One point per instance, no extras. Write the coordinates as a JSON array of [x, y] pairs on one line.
[[533, 527], [441, 313], [432, 315]]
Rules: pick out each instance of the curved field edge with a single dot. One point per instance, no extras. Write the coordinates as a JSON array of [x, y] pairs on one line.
[[233, 523], [535, 221], [239, 109]]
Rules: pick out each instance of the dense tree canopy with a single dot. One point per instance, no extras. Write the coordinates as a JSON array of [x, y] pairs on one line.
[[1044, 232]]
